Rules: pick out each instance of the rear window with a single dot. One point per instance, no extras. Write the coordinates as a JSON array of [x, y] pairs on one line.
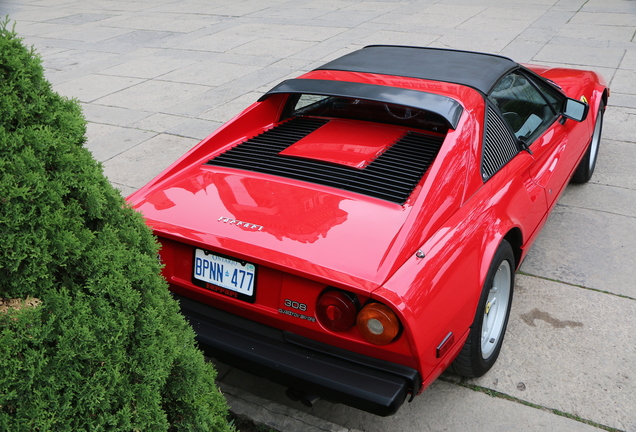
[[312, 105]]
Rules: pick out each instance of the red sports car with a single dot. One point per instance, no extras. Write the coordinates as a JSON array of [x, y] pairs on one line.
[[356, 231]]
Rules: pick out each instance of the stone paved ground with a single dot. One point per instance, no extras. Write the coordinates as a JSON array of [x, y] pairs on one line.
[[156, 76]]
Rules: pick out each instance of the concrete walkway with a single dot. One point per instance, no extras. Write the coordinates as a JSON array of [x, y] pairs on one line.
[[156, 76]]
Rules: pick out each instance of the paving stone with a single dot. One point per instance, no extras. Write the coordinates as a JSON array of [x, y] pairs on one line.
[[238, 9], [175, 23], [187, 57], [78, 19], [314, 33], [150, 66], [590, 56], [209, 73], [114, 141], [629, 60], [88, 34], [398, 38], [219, 42], [522, 51], [528, 13], [615, 165], [609, 19], [26, 28], [34, 14], [159, 123], [553, 20], [95, 131], [535, 34], [68, 60], [273, 47], [149, 159], [566, 5], [467, 40], [233, 89], [442, 407], [345, 18], [332, 47], [436, 20], [373, 6], [124, 190], [112, 115], [620, 125], [287, 419], [198, 8], [291, 14], [593, 249], [598, 32], [612, 6], [554, 345], [194, 128], [391, 19], [133, 39], [625, 80], [160, 95], [124, 6], [623, 100], [600, 197], [504, 28], [226, 111], [94, 86]]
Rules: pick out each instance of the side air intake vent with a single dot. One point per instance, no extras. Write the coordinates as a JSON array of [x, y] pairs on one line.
[[499, 146], [392, 176]]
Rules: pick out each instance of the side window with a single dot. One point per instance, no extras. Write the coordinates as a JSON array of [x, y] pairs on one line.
[[526, 109], [519, 110]]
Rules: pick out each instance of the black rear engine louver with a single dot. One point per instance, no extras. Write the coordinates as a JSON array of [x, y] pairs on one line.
[[392, 176]]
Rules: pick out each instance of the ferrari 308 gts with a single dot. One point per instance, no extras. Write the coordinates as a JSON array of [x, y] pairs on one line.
[[356, 231]]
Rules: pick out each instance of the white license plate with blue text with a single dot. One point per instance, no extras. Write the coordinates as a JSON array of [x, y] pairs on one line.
[[224, 272]]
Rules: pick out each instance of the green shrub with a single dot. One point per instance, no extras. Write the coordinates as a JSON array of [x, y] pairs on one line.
[[107, 348]]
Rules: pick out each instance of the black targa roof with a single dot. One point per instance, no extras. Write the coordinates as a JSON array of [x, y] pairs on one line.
[[478, 70]]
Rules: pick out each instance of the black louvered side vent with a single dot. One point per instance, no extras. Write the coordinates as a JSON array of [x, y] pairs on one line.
[[392, 176], [499, 146]]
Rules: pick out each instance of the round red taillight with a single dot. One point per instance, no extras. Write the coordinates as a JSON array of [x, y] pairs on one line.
[[378, 324], [336, 310]]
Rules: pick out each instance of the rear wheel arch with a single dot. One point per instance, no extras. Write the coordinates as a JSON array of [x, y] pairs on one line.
[[515, 238], [486, 333]]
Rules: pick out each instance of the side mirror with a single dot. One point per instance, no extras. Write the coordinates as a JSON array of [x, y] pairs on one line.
[[575, 110]]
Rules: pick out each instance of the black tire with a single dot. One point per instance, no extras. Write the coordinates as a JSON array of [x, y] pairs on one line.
[[478, 356], [585, 170]]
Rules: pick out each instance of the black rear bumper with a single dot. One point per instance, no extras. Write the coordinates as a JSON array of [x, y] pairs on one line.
[[299, 363]]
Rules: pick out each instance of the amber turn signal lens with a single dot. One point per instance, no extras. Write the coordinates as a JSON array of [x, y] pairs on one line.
[[336, 310], [378, 324]]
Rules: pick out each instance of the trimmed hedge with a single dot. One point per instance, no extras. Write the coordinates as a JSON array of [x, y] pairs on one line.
[[107, 349]]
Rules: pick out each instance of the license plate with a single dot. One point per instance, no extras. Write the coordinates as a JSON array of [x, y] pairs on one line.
[[224, 275]]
